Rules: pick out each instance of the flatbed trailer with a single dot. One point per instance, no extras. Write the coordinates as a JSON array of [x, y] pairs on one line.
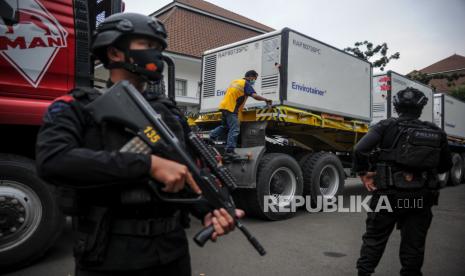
[[337, 132]]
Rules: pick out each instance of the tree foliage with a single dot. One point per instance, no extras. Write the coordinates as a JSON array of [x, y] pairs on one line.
[[459, 92], [367, 51]]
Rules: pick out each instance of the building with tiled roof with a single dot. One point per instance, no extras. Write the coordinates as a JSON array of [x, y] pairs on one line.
[[191, 33], [193, 27], [454, 64]]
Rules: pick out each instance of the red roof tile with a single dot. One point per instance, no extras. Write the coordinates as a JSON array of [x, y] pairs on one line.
[[454, 62], [211, 8], [191, 33]]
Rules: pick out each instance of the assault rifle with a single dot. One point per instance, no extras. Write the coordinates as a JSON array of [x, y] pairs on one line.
[[122, 103]]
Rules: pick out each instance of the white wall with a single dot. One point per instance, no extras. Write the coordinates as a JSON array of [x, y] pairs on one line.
[[188, 69]]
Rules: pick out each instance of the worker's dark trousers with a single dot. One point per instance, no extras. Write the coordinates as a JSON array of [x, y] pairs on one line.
[[229, 126], [413, 225]]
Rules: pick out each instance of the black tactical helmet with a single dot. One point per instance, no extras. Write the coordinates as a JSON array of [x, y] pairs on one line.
[[409, 98], [120, 25]]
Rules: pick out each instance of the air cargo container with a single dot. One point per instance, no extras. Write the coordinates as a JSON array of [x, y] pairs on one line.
[[294, 70], [449, 114], [386, 86]]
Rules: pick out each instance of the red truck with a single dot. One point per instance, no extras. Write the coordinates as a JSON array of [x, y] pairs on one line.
[[44, 52]]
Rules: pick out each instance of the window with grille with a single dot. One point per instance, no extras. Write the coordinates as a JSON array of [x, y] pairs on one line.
[[181, 87]]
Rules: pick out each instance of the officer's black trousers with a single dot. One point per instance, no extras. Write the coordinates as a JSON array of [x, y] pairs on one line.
[[413, 224], [179, 267]]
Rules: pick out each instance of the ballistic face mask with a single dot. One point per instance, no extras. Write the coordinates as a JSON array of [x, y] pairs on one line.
[[148, 63], [118, 29]]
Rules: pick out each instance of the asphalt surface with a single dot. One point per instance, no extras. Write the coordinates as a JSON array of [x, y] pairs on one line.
[[308, 244]]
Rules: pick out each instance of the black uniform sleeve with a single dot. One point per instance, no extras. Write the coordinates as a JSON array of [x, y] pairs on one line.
[[445, 163], [61, 157], [365, 146]]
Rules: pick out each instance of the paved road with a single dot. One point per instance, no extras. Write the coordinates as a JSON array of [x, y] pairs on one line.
[[308, 244]]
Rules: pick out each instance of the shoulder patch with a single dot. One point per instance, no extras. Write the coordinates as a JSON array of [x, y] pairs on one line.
[[57, 107]]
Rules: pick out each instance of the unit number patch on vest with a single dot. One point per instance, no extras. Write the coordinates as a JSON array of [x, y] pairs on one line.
[[152, 134]]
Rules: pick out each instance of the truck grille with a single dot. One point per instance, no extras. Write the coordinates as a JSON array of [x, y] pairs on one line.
[[209, 76]]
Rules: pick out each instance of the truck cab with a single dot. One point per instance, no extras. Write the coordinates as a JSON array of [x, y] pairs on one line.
[[44, 53]]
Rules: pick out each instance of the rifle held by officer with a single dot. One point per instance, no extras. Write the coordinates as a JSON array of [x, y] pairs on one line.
[[122, 103]]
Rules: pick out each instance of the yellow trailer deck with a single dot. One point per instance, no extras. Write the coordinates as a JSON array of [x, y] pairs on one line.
[[330, 131]]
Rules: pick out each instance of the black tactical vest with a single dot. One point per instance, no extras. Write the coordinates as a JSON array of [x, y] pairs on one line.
[[416, 146], [110, 136], [412, 157]]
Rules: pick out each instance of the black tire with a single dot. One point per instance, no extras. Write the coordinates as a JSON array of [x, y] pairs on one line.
[[24, 196], [463, 170], [272, 168], [301, 158], [456, 172], [319, 170]]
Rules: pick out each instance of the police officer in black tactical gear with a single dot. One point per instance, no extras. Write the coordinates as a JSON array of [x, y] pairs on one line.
[[400, 158], [121, 228]]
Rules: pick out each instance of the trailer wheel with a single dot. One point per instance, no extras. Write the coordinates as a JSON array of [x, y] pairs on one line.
[[323, 176], [463, 168], [30, 220], [278, 175], [302, 157], [443, 178], [456, 171]]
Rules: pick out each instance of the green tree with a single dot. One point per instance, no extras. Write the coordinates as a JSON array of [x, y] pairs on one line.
[[367, 51], [458, 92]]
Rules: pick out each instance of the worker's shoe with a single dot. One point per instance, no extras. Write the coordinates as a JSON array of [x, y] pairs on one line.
[[209, 141], [231, 155]]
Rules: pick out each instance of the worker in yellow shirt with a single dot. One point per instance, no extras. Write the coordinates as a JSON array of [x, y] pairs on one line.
[[232, 103]]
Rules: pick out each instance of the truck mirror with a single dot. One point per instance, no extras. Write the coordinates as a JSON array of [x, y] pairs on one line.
[[9, 11]]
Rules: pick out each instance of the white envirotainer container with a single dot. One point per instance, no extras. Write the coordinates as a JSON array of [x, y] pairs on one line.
[[294, 70], [449, 114], [387, 85]]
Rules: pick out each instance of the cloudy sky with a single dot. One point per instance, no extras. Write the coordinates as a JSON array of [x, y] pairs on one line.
[[423, 31]]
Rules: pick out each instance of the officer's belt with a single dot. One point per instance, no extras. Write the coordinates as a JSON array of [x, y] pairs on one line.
[[146, 227], [387, 176]]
